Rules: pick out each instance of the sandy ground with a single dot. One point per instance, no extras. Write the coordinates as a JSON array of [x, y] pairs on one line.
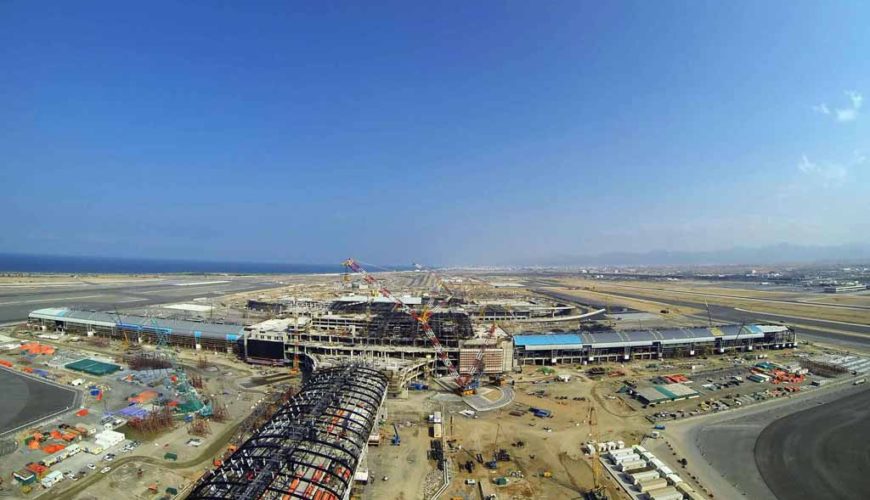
[[556, 450], [787, 303]]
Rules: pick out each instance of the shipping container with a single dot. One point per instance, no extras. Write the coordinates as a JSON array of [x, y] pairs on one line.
[[668, 493], [625, 458], [621, 451], [684, 487], [632, 465], [436, 431], [652, 484], [638, 477]]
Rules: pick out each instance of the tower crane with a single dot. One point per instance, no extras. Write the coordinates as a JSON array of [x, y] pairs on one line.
[[598, 492], [421, 318]]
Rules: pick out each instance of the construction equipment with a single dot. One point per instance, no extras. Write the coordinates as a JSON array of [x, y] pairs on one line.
[[598, 492], [294, 370], [493, 464], [470, 382], [396, 440], [422, 318], [193, 403], [119, 325]]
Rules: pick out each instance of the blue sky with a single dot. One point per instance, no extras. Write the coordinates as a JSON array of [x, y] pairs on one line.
[[436, 132]]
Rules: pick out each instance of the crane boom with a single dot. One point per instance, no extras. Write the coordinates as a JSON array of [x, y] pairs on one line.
[[479, 365], [422, 319]]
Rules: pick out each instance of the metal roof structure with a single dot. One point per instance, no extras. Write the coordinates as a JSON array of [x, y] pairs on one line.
[[549, 341], [180, 327], [311, 447], [632, 338]]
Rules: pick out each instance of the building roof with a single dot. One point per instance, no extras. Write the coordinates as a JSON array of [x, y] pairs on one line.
[[666, 392], [362, 299], [170, 326], [617, 338], [548, 341]]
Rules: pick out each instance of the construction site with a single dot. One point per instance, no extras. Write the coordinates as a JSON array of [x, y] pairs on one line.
[[392, 385]]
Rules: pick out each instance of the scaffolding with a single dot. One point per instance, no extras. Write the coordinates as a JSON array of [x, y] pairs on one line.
[[311, 447]]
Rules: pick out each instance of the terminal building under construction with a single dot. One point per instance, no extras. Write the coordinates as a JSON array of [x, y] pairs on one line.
[[393, 336]]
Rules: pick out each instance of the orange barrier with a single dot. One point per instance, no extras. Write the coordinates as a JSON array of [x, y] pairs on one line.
[[36, 468], [37, 348], [143, 397], [5, 363], [83, 412], [53, 448]]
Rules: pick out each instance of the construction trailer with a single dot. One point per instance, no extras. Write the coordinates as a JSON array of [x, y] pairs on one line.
[[312, 447]]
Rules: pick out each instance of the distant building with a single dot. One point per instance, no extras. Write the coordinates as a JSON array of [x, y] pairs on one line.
[[855, 287]]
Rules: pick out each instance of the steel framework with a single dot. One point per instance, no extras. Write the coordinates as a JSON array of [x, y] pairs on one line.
[[311, 447]]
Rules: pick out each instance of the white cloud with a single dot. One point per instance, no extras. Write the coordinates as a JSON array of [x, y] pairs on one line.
[[846, 114], [824, 175], [856, 98], [851, 113], [822, 108]]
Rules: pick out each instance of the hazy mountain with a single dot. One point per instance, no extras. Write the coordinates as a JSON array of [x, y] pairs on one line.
[[783, 253]]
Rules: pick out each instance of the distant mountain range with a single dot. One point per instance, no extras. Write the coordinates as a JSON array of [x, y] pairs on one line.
[[783, 253]]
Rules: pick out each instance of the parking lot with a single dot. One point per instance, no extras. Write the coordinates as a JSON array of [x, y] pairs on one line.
[[718, 390], [82, 463]]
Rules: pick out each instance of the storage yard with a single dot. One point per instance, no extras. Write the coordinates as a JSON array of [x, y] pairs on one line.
[[513, 397]]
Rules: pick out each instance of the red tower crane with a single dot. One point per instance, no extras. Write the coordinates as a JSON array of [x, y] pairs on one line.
[[421, 318]]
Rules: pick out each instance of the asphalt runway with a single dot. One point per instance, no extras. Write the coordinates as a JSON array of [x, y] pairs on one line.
[[823, 452], [17, 302], [26, 400], [722, 448]]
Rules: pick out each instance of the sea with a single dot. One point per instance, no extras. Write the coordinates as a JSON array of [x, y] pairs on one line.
[[22, 263]]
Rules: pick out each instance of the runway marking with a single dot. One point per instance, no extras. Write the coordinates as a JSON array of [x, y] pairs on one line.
[[59, 299], [202, 283]]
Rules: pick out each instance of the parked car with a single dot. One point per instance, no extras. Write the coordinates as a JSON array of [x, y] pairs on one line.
[[92, 467], [106, 470]]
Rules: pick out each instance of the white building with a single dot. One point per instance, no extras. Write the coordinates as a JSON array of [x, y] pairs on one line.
[[108, 438]]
